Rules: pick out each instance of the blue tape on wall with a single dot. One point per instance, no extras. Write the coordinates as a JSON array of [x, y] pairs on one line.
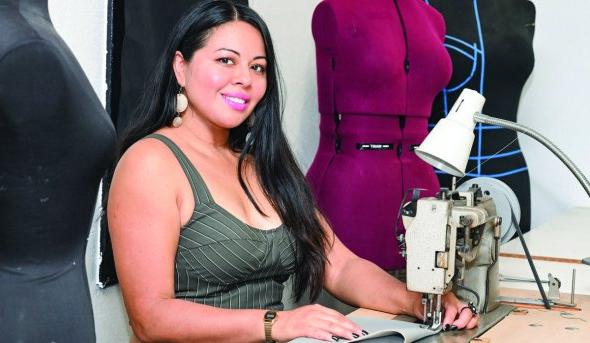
[[490, 43]]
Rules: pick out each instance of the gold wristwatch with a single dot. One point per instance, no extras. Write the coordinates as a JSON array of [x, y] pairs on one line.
[[270, 317]]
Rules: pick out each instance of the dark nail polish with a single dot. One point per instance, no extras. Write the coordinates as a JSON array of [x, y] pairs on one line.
[[355, 335], [335, 339], [446, 327], [364, 332], [453, 327]]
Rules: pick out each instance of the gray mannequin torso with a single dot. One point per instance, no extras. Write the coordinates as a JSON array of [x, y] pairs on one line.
[[57, 142]]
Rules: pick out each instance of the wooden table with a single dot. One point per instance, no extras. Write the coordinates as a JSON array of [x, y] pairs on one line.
[[529, 323], [557, 247], [536, 324]]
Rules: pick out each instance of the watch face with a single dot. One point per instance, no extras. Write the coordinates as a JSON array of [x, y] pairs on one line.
[[270, 315]]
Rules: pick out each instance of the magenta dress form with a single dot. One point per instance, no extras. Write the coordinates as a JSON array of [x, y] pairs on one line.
[[380, 64]]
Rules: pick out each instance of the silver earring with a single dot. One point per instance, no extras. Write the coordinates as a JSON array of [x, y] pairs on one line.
[[181, 105]]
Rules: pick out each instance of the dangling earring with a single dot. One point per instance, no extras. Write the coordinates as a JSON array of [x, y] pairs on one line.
[[181, 105]]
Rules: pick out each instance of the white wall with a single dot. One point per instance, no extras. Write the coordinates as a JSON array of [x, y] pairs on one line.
[[554, 102], [290, 25], [83, 26]]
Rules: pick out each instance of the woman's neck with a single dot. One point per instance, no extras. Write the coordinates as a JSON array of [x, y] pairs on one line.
[[208, 136], [204, 130]]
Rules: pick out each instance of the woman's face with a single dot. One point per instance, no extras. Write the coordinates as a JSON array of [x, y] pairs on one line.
[[226, 78]]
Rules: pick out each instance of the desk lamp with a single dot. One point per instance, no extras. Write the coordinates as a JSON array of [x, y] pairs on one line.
[[448, 146]]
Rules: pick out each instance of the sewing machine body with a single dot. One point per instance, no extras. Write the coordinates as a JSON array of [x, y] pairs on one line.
[[452, 243]]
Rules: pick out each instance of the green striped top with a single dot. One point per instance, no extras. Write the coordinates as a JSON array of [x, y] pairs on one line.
[[223, 262]]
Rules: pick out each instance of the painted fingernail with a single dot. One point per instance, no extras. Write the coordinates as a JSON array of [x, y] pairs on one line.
[[453, 327], [364, 332], [355, 335], [446, 327], [336, 339]]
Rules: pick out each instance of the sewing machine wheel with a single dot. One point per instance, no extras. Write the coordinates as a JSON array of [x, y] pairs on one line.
[[505, 200]]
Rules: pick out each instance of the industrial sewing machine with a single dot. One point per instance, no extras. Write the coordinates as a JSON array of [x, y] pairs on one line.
[[452, 243], [452, 240]]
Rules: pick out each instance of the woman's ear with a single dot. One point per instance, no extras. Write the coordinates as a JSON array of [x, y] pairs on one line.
[[178, 64]]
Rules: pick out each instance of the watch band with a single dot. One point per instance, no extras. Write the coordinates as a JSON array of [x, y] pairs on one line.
[[270, 317]]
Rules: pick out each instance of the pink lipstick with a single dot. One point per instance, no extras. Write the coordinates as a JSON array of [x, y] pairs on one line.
[[237, 101]]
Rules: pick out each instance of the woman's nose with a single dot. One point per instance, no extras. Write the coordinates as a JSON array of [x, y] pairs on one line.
[[242, 76]]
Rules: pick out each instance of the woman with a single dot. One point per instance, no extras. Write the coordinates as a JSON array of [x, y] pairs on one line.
[[213, 209]]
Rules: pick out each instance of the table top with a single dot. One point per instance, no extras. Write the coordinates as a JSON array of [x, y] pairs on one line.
[[531, 323], [557, 247], [538, 324]]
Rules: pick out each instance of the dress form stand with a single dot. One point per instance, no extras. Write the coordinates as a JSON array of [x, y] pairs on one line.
[[380, 63], [56, 143]]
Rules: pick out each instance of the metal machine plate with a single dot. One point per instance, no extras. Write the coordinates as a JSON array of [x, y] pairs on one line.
[[427, 235], [487, 321]]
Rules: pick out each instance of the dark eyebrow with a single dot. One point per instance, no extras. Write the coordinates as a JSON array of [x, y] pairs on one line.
[[237, 53], [230, 50]]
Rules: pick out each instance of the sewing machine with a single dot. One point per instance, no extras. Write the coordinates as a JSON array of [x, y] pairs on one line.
[[452, 242]]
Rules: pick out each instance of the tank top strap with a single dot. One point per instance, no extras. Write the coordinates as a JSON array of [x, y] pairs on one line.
[[198, 186]]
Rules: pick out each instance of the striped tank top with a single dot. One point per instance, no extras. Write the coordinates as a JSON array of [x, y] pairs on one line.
[[223, 262]]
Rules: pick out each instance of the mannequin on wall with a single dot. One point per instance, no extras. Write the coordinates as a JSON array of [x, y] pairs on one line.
[[380, 63], [491, 46], [55, 145]]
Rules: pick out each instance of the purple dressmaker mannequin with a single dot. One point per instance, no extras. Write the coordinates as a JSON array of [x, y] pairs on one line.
[[380, 63]]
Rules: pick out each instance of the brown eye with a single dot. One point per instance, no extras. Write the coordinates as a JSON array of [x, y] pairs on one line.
[[259, 68], [225, 60]]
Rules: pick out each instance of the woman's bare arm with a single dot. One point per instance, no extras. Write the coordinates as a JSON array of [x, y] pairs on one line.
[[145, 206], [362, 283]]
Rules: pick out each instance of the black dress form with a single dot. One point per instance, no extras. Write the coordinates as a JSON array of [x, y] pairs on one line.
[[55, 145], [491, 46]]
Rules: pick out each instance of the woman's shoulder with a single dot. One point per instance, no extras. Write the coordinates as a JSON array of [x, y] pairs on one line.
[[147, 150], [147, 158]]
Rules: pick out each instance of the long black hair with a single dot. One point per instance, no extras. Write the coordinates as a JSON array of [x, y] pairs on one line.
[[282, 181]]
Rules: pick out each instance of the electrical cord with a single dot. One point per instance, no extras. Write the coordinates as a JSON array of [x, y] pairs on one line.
[[530, 261], [470, 291], [396, 228], [401, 240]]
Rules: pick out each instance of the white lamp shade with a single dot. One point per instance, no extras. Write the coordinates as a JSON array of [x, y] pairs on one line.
[[448, 145]]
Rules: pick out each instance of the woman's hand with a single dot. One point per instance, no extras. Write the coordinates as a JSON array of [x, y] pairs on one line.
[[313, 321], [457, 313]]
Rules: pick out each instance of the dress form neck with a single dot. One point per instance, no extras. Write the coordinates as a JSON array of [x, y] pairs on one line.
[[37, 7]]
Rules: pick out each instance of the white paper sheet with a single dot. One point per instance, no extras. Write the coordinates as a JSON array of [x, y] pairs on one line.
[[394, 330]]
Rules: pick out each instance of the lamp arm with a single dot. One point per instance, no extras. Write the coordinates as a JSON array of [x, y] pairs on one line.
[[485, 119]]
